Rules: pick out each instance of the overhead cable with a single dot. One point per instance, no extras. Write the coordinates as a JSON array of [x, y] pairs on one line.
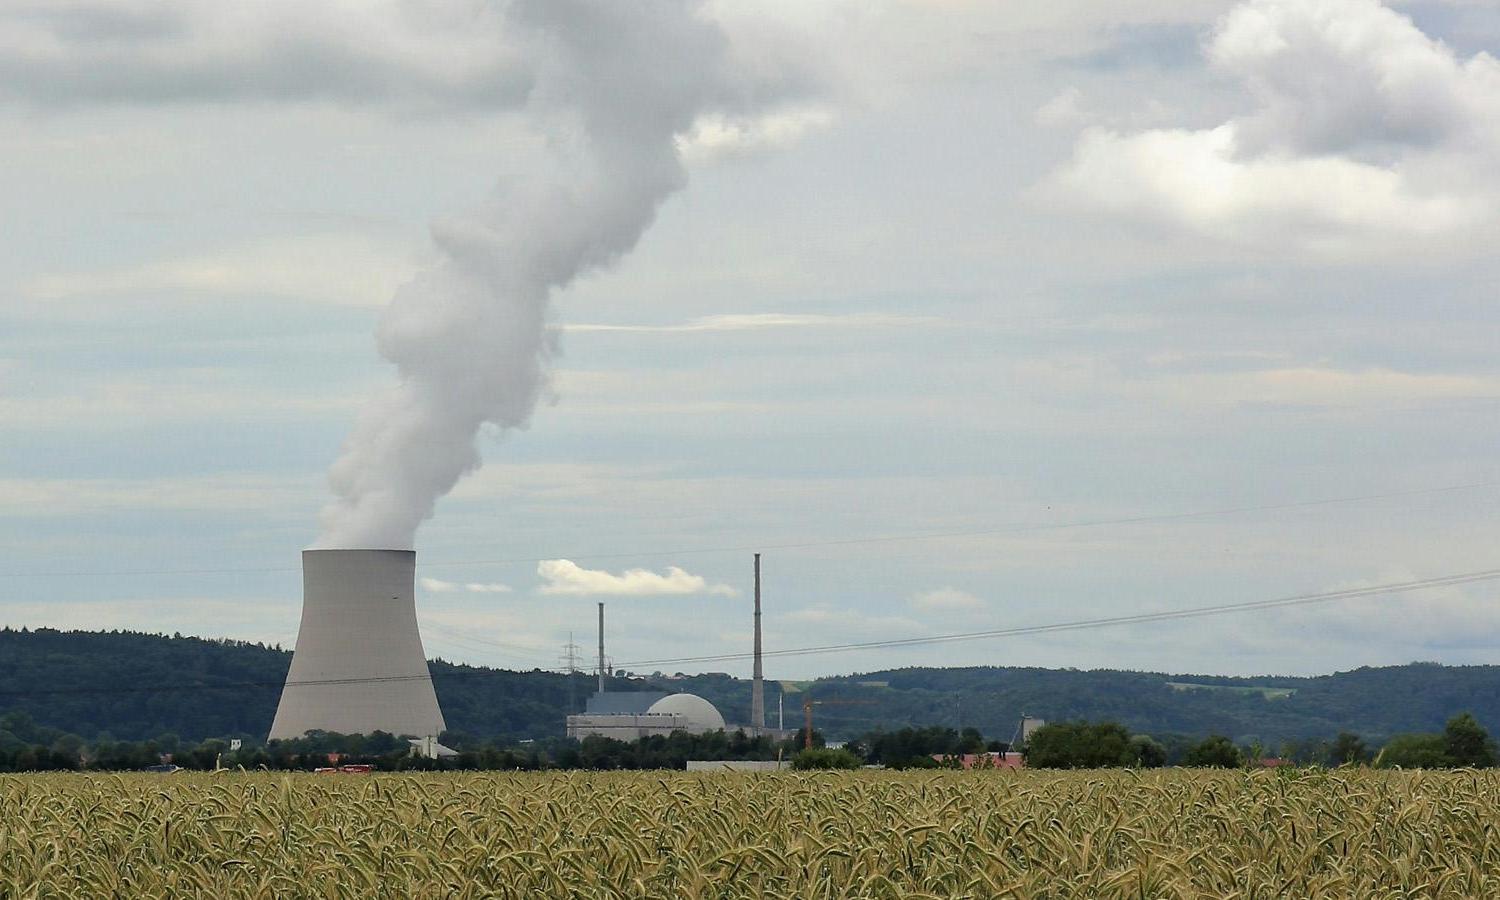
[[1074, 625]]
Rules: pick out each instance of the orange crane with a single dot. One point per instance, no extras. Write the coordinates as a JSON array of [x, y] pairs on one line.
[[807, 705]]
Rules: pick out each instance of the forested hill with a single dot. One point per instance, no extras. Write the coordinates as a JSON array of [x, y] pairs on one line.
[[135, 686]]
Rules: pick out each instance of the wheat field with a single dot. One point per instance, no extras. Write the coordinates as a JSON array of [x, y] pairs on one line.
[[1171, 833]]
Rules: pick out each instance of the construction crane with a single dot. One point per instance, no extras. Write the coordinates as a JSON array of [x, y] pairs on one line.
[[807, 706]]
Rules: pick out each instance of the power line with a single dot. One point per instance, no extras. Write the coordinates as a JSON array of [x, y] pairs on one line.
[[451, 634], [1075, 625], [1007, 528], [188, 688], [1083, 624]]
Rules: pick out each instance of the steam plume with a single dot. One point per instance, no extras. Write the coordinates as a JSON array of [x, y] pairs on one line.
[[614, 83]]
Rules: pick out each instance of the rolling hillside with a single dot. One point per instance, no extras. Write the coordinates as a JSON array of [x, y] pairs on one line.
[[134, 686]]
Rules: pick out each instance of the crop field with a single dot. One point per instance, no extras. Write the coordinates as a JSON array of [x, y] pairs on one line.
[[1172, 833]]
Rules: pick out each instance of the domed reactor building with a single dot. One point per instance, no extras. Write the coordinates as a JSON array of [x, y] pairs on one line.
[[629, 715], [358, 666]]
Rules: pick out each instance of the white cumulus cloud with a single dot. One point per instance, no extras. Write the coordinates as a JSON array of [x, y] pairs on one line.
[[1365, 132], [563, 576]]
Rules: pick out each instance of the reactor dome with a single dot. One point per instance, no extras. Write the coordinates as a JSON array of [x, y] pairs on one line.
[[698, 714]]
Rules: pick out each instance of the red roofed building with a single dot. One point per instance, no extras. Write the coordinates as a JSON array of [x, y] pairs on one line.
[[1010, 760]]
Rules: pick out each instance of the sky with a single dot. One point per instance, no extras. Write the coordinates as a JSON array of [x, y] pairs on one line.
[[968, 315]]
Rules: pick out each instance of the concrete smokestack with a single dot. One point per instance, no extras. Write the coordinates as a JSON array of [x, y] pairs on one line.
[[601, 647], [757, 683], [359, 665]]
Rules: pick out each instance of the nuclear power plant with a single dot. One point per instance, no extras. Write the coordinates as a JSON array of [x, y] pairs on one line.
[[358, 666], [629, 715]]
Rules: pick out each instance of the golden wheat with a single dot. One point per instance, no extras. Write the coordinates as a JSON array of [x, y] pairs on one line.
[[1173, 833]]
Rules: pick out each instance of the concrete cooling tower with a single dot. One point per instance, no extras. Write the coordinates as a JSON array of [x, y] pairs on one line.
[[358, 666]]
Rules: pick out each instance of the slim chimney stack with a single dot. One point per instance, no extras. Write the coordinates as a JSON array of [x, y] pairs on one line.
[[757, 684], [601, 646]]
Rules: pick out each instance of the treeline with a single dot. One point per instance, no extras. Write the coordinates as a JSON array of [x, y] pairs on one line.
[[26, 746], [1463, 743], [139, 688]]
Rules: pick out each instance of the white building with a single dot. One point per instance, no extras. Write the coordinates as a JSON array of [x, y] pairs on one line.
[[628, 716]]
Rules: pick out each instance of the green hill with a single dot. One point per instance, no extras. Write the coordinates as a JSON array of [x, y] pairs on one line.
[[135, 686]]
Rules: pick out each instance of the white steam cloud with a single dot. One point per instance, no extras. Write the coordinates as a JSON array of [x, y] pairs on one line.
[[615, 86]]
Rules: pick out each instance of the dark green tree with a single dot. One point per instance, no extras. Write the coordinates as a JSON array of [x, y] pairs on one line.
[[1080, 745], [1347, 750], [825, 758], [970, 741], [1148, 752], [1467, 743], [1414, 751], [1214, 751]]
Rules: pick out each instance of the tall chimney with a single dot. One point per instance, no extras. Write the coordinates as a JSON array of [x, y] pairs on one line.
[[757, 684], [358, 666], [601, 646]]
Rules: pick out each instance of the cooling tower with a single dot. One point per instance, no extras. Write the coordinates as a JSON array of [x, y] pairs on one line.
[[358, 666]]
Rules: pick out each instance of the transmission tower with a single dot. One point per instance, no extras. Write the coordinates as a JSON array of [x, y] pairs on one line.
[[572, 656]]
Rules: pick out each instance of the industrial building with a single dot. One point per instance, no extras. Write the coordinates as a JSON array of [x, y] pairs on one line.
[[358, 666], [631, 715]]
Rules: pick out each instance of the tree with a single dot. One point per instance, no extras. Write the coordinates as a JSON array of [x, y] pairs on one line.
[[970, 741], [1149, 753], [1214, 751], [1414, 751], [1080, 745], [824, 758], [1467, 743], [800, 740], [1347, 750]]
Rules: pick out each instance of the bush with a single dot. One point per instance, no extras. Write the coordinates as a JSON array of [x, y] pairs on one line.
[[823, 758]]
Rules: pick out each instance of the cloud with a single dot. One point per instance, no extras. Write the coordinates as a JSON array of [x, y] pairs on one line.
[[564, 576], [437, 586], [757, 321], [1074, 378], [945, 599], [721, 136], [1454, 622], [243, 492], [271, 619], [180, 395], [1199, 180], [825, 623], [1065, 108], [345, 269], [1366, 132], [442, 55]]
